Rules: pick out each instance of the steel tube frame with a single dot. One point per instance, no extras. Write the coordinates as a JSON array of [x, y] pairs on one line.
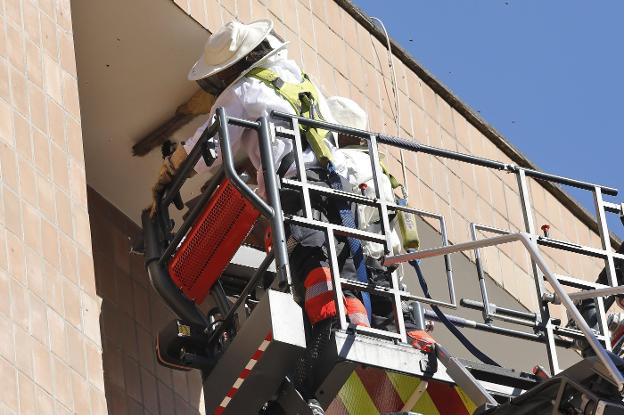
[[273, 211], [542, 320]]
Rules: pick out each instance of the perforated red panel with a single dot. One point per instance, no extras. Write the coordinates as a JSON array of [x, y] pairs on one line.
[[212, 241]]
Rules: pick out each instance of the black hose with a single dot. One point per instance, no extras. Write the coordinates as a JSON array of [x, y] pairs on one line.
[[449, 325]]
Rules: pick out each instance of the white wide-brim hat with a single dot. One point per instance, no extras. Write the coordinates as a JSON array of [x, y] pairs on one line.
[[348, 113], [229, 45]]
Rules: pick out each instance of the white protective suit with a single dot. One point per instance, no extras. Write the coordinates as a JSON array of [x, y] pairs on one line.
[[250, 99], [359, 170]]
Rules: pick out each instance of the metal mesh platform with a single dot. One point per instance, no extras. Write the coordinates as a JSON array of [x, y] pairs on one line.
[[212, 241]]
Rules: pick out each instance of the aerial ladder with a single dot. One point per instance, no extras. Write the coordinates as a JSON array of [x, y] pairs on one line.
[[247, 343]]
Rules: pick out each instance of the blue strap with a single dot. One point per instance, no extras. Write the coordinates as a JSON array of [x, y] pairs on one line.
[[347, 219], [449, 325]]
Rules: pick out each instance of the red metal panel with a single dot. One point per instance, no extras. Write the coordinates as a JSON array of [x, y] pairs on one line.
[[212, 241]]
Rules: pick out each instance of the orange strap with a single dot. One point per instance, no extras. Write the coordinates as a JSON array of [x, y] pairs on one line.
[[421, 340]]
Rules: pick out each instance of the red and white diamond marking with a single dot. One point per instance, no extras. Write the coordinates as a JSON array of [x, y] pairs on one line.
[[244, 374]]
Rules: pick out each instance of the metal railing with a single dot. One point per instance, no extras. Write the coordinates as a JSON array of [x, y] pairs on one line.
[[540, 321], [545, 330]]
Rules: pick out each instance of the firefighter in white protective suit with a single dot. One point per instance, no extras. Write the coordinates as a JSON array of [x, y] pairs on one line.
[[247, 68]]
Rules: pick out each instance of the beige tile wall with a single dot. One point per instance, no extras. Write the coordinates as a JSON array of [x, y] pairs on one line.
[[345, 59], [50, 347], [132, 314]]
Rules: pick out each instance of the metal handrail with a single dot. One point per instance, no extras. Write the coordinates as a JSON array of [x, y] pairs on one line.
[[542, 320]]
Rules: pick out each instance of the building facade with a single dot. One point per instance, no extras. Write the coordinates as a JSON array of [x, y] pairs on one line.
[[81, 81]]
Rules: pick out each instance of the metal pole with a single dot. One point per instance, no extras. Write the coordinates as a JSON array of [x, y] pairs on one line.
[[272, 190], [385, 230], [538, 278], [448, 264], [335, 272], [486, 310], [604, 237]]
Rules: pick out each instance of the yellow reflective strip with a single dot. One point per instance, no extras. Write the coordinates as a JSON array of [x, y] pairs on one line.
[[355, 398], [404, 385], [470, 406], [426, 406]]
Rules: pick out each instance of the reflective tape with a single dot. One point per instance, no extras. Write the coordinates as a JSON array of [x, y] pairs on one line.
[[373, 391], [255, 357]]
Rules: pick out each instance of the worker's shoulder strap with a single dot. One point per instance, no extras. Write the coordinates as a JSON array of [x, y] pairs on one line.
[[304, 98]]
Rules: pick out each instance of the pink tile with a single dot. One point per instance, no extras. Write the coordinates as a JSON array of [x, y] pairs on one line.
[[41, 153], [74, 139], [91, 318], [98, 402], [68, 258], [75, 343], [45, 402], [71, 302], [68, 57], [49, 35], [37, 107], [37, 282], [15, 48], [28, 182], [63, 15], [32, 227], [77, 182], [58, 338], [54, 296], [86, 272], [27, 397], [70, 95], [17, 265], [8, 391], [14, 12], [82, 228], [60, 167], [12, 211], [7, 348], [34, 67], [62, 386], [31, 21], [52, 78], [46, 193], [56, 118], [24, 359], [5, 88], [6, 124], [38, 320], [19, 97], [23, 141], [42, 368], [50, 245], [63, 210], [80, 389], [3, 40]]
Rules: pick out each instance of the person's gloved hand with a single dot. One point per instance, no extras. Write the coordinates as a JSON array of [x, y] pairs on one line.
[[168, 169]]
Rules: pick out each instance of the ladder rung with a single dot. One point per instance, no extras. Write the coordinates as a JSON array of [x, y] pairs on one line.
[[338, 229]]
